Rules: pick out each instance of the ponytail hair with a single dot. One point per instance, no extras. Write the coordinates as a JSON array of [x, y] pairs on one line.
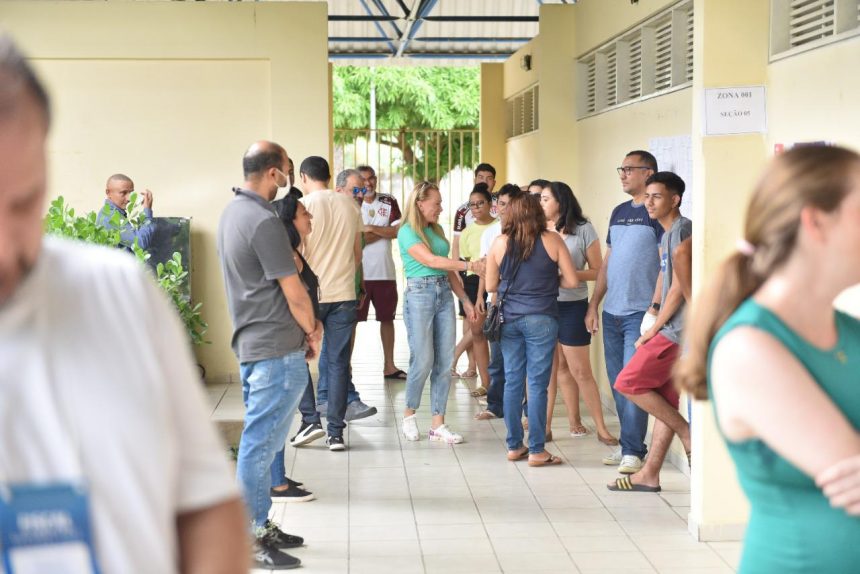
[[819, 177]]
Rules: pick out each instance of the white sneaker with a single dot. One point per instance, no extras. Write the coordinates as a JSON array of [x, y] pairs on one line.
[[410, 428], [444, 434], [613, 459], [630, 464]]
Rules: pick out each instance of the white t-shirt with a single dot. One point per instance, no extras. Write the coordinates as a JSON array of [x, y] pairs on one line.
[[376, 260], [97, 383], [489, 236]]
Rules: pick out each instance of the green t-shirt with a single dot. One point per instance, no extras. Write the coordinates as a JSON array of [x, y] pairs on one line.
[[406, 238]]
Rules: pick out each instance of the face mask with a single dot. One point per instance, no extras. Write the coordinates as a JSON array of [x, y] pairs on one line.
[[286, 179]]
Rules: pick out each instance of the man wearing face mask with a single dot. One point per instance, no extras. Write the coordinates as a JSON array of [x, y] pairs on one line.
[[274, 333]]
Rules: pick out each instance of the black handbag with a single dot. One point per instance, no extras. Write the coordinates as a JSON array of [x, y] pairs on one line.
[[492, 326]]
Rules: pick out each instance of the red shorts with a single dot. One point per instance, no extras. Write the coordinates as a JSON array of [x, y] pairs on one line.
[[650, 369], [383, 294]]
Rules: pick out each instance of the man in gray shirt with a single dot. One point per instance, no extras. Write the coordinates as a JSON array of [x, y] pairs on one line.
[[647, 378], [274, 333]]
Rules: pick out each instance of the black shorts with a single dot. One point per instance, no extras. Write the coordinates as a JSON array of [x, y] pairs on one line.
[[470, 285], [571, 323]]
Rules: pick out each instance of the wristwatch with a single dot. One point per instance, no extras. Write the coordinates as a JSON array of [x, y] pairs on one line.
[[655, 306]]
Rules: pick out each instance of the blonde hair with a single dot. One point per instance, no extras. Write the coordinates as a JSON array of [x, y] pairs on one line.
[[820, 177], [415, 219]]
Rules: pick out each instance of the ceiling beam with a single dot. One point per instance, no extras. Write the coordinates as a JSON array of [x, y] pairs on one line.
[[359, 18], [410, 23], [482, 19], [378, 26]]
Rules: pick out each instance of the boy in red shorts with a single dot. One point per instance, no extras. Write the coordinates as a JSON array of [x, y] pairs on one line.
[[647, 379]]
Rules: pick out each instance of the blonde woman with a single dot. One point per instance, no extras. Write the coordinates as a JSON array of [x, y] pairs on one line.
[[781, 364], [429, 309]]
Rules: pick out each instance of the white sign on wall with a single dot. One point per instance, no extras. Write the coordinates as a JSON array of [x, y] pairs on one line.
[[730, 111]]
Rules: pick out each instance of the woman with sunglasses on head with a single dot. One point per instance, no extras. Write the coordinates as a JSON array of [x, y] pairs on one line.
[[480, 202], [572, 364], [428, 310], [781, 364], [526, 265]]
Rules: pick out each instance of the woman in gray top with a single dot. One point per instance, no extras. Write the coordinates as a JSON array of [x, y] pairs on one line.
[[572, 361]]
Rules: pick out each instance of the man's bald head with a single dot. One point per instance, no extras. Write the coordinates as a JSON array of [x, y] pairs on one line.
[[118, 189], [261, 157]]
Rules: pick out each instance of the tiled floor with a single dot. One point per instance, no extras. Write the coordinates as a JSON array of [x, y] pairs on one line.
[[388, 505]]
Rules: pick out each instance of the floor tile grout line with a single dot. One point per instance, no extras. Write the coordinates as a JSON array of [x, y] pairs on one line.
[[406, 475]]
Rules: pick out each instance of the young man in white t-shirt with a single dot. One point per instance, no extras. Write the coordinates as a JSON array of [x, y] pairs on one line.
[[381, 216], [105, 422]]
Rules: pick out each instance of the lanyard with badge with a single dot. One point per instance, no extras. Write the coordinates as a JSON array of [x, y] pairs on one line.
[[46, 527]]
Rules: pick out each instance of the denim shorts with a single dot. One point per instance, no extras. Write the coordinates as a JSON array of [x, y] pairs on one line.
[[571, 323]]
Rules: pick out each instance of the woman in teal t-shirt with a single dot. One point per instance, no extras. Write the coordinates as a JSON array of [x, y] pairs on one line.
[[783, 366], [428, 310]]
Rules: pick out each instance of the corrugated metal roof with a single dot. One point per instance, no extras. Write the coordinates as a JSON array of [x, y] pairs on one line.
[[449, 32]]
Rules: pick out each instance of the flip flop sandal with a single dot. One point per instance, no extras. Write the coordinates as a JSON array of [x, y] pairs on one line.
[[625, 485], [515, 455], [455, 374], [611, 441], [552, 460], [397, 375], [578, 431], [485, 416], [469, 375], [479, 392]]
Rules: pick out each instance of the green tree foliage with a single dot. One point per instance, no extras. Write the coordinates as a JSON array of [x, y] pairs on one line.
[[171, 276], [411, 102]]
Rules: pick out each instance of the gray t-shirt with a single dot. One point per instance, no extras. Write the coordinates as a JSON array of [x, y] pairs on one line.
[[577, 244], [255, 252], [680, 230]]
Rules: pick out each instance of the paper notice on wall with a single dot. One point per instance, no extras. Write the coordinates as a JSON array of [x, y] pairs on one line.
[[732, 111], [675, 154]]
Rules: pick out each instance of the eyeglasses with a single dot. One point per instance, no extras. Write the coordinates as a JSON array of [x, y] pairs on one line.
[[477, 204], [356, 191], [627, 170]]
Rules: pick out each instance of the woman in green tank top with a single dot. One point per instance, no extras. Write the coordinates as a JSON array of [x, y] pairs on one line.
[[783, 366]]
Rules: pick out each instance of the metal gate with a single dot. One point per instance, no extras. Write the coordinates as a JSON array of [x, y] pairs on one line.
[[405, 156]]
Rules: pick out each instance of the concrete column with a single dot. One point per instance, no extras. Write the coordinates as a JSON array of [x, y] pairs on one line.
[[492, 122], [730, 49]]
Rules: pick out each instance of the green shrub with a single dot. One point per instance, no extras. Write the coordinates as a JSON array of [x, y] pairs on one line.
[[171, 276]]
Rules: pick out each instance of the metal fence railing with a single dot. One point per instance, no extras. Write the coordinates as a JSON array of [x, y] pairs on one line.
[[402, 157]]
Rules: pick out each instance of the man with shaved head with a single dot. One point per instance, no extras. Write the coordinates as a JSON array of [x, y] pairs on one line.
[[274, 333], [108, 462], [118, 190]]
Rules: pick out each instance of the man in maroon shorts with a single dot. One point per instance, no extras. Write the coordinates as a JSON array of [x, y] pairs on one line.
[[381, 216], [647, 379]]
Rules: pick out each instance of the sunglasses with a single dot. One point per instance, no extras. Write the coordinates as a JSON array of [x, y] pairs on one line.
[[356, 191]]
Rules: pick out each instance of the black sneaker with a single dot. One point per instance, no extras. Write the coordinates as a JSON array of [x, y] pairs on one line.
[[267, 556], [292, 494], [335, 443], [293, 483], [308, 433], [280, 539]]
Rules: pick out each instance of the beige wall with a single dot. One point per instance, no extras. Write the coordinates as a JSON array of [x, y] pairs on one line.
[[493, 120], [172, 93], [811, 96]]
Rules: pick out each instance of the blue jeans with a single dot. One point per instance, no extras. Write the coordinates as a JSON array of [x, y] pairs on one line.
[[432, 331], [496, 392], [308, 406], [271, 390], [338, 319], [322, 391], [528, 344], [620, 333]]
